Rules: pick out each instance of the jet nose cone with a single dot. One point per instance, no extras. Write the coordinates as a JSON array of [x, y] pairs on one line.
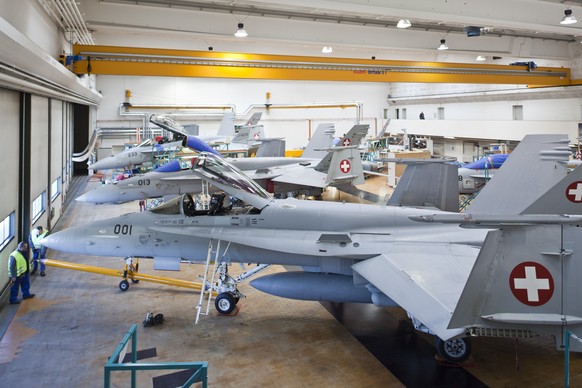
[[103, 164], [71, 240], [104, 194], [83, 198]]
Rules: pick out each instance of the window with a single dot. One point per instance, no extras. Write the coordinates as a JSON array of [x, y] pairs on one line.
[[403, 113], [441, 112], [518, 112], [38, 206], [6, 230], [55, 189]]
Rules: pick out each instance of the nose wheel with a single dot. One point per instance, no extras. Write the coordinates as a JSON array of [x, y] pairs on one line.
[[225, 303]]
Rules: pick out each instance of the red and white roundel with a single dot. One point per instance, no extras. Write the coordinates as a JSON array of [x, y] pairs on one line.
[[346, 142], [574, 192], [531, 283], [345, 166]]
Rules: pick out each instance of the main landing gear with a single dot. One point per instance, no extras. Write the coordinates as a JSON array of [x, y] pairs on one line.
[[455, 350]]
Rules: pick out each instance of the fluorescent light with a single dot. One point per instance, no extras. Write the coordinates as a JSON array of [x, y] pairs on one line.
[[403, 23], [443, 45], [568, 18], [327, 50], [241, 33], [480, 58]]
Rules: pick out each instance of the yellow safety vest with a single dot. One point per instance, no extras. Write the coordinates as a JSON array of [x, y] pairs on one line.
[[20, 263], [37, 237]]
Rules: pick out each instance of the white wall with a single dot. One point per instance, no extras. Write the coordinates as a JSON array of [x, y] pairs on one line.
[[293, 124], [33, 21]]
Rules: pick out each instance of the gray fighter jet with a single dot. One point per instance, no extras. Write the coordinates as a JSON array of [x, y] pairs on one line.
[[374, 253], [308, 174], [145, 153]]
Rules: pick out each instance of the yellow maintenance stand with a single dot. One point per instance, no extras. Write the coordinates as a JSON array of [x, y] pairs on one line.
[[129, 272]]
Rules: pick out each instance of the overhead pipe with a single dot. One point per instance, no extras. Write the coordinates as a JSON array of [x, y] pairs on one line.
[[79, 17], [64, 14], [324, 105], [230, 107], [145, 115], [72, 16]]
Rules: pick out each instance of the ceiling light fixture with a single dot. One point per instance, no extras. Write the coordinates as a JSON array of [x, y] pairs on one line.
[[480, 58], [241, 33], [327, 50], [403, 23], [443, 45], [568, 18]]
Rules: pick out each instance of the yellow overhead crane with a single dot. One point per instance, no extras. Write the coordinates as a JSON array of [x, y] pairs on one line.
[[115, 60], [129, 272]]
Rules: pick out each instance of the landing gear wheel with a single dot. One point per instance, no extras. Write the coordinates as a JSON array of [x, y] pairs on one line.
[[158, 319], [454, 350], [236, 300], [225, 303], [123, 285], [135, 280]]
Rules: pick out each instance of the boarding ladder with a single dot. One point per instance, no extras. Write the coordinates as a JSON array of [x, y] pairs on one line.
[[205, 196], [208, 284]]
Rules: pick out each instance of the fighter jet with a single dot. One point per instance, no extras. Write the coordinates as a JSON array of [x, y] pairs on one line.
[[308, 174], [148, 152], [473, 176], [349, 252]]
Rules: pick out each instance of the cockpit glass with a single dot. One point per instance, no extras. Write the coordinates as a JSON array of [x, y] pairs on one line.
[[170, 207], [217, 169]]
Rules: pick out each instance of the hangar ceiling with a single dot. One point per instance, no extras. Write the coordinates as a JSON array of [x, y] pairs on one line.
[[522, 29]]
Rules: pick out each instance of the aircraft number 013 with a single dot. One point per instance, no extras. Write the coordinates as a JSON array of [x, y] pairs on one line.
[[143, 182], [122, 229]]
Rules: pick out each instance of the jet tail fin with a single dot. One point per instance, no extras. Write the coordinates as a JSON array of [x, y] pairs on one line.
[[355, 135], [249, 134], [343, 165], [320, 141], [536, 165], [524, 282], [254, 120], [227, 125], [271, 148], [564, 198], [432, 184]]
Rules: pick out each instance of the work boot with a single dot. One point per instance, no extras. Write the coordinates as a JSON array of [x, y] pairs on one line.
[[15, 302], [33, 271], [42, 273], [29, 296]]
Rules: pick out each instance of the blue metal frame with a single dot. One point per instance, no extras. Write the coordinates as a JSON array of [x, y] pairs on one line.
[[567, 359], [114, 364]]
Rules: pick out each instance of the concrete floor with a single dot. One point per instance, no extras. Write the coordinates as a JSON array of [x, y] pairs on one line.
[[63, 337]]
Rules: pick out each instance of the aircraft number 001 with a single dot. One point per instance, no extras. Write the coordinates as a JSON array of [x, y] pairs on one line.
[[122, 229], [143, 182]]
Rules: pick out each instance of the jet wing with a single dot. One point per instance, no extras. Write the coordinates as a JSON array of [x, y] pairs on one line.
[[425, 279]]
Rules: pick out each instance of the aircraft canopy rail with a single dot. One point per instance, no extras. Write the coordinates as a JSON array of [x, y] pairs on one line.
[[216, 169]]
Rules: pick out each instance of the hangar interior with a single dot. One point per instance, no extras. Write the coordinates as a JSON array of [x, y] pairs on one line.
[[80, 79]]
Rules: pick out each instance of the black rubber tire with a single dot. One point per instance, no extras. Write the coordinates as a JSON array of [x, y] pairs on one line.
[[454, 350], [158, 319], [124, 285], [224, 303], [135, 280]]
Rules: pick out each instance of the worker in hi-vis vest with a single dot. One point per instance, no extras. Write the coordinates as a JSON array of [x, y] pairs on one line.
[[18, 273], [38, 251]]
